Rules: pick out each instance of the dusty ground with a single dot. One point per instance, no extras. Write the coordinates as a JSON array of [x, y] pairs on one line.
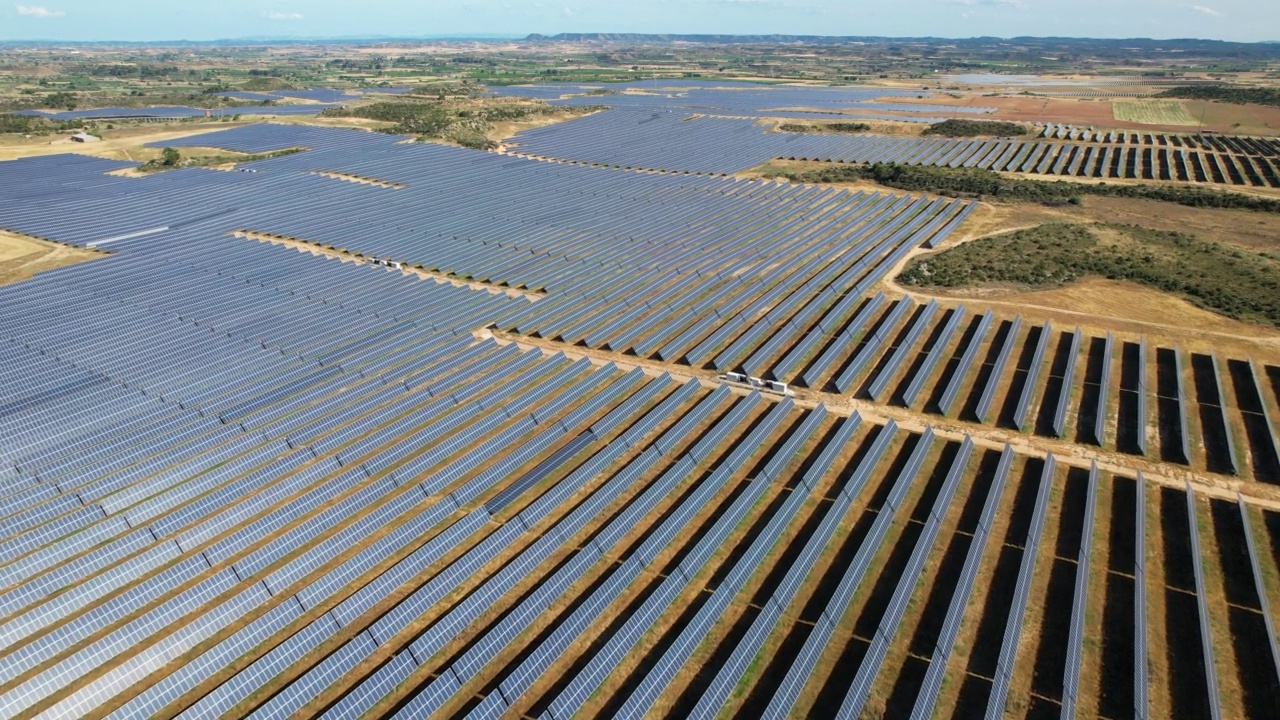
[[1253, 119], [343, 122], [1123, 306], [504, 130], [1067, 452], [116, 144], [21, 257], [1114, 305], [1220, 117]]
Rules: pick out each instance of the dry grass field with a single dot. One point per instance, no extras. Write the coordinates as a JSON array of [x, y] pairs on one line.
[[21, 257], [118, 143]]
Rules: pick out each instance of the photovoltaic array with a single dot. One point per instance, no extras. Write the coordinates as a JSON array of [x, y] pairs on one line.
[[244, 470], [677, 139]]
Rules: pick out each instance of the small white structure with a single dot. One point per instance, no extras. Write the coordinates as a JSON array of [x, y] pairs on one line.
[[84, 138], [758, 383]]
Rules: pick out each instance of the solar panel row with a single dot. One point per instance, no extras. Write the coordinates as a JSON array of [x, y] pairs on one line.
[[237, 477]]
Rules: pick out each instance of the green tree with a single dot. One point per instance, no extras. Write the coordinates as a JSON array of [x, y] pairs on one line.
[[61, 100], [169, 157]]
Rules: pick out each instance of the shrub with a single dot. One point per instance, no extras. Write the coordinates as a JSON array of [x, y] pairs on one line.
[[1213, 276], [974, 128], [976, 182], [1226, 93]]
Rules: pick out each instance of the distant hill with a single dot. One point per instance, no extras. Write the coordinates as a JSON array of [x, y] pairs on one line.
[[711, 39], [1203, 47]]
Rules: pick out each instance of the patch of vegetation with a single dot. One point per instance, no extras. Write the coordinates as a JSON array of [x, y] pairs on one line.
[[171, 159], [465, 123], [840, 127], [32, 125], [474, 140], [975, 128], [260, 83], [1234, 283], [448, 90], [1226, 93], [410, 118], [61, 101], [977, 183]]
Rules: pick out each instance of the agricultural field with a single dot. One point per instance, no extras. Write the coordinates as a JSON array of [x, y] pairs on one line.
[[515, 394], [1153, 112]]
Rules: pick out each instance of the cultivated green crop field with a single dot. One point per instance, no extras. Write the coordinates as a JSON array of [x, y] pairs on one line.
[[1153, 112]]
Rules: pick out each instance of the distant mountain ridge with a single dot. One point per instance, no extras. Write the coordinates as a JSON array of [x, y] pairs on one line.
[[1173, 45], [1179, 43]]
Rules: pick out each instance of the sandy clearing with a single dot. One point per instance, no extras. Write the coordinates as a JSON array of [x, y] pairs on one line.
[[22, 256]]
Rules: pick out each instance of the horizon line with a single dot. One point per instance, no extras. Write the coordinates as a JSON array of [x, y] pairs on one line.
[[264, 39]]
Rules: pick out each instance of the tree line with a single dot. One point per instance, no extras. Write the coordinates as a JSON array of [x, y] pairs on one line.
[[978, 183]]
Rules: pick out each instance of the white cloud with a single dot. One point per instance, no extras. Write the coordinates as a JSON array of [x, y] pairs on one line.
[[40, 12], [570, 12], [277, 15], [1206, 10]]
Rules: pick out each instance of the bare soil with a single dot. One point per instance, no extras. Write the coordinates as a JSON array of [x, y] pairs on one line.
[[116, 144], [21, 257], [1099, 113], [1127, 307]]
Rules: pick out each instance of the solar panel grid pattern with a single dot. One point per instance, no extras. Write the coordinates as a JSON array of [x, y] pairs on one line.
[[207, 427]]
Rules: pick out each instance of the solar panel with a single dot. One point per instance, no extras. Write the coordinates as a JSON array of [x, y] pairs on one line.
[[1206, 640], [932, 683], [154, 699], [1140, 650], [934, 356], [1140, 413], [1259, 585], [881, 383], [860, 691], [872, 345], [140, 665], [1033, 374], [997, 370], [1064, 394], [362, 697], [783, 701], [1026, 570], [966, 361], [1075, 639], [301, 691], [1100, 418]]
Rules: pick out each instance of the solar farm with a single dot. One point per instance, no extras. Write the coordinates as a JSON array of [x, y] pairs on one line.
[[386, 428], [668, 140], [320, 99]]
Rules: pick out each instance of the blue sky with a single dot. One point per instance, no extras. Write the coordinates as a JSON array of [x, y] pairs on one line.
[[1245, 20]]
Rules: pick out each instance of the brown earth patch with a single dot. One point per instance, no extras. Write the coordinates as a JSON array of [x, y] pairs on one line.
[[1219, 117], [21, 257]]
